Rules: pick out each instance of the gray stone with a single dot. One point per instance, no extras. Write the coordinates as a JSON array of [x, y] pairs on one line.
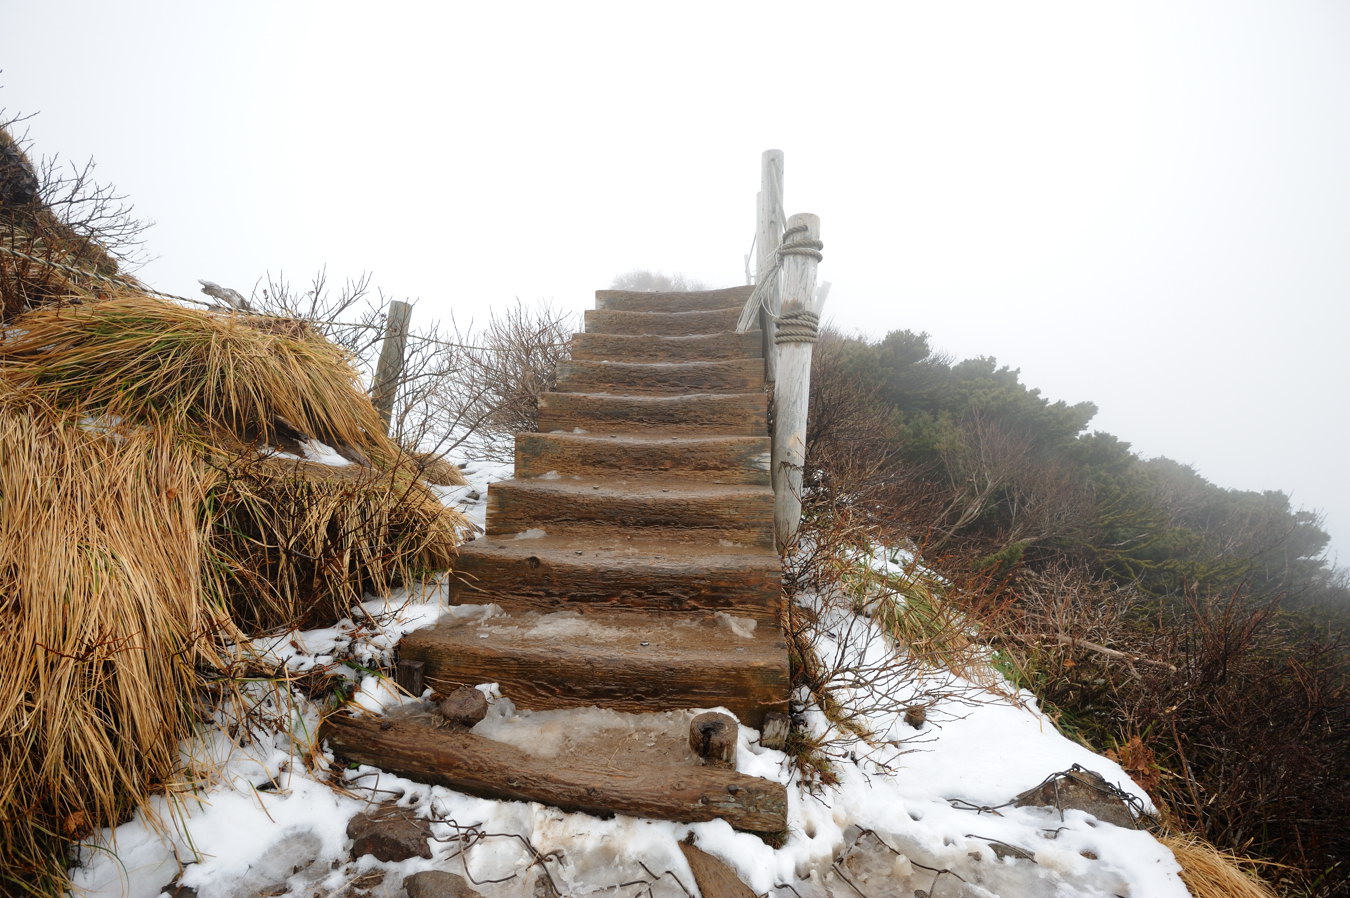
[[438, 884], [1082, 790], [389, 833], [464, 707]]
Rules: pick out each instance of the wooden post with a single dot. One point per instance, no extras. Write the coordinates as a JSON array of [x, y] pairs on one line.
[[390, 370], [768, 234], [793, 343]]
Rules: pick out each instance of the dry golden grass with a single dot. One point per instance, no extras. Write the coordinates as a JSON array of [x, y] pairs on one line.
[[142, 359], [142, 521], [101, 583], [1211, 873], [299, 543]]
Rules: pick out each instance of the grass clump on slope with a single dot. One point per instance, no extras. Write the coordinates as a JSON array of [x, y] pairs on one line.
[[102, 603], [209, 375], [145, 520]]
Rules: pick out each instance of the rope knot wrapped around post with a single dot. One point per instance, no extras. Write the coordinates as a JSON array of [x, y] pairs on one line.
[[797, 327], [796, 242]]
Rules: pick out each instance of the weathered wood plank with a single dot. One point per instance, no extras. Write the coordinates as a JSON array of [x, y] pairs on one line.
[[734, 459], [675, 324], [515, 506], [594, 572], [483, 767], [625, 661], [730, 414], [643, 348], [691, 301], [714, 878], [639, 378]]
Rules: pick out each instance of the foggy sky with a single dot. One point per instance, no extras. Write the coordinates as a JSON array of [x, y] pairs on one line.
[[1145, 204]]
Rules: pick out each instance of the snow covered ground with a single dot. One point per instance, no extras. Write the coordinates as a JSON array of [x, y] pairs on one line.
[[913, 812]]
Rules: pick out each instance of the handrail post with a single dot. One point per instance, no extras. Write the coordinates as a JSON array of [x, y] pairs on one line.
[[384, 391], [793, 343], [768, 234]]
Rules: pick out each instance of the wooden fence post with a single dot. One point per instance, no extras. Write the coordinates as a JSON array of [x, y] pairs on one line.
[[768, 234], [392, 356], [798, 323]]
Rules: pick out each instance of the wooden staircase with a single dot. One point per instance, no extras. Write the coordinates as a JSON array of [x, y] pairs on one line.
[[633, 555]]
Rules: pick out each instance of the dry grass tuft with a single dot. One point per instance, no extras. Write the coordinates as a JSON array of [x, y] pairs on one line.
[[143, 521], [1211, 873], [300, 543], [141, 359], [101, 586]]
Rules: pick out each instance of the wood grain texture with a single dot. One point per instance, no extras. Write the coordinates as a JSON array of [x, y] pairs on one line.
[[479, 766], [674, 324], [622, 660], [691, 301], [713, 877], [792, 391], [723, 459], [643, 378], [641, 348], [515, 506], [590, 572], [731, 414]]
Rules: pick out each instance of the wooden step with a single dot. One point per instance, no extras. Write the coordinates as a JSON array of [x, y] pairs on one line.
[[647, 348], [727, 414], [647, 378], [671, 324], [515, 506], [726, 459], [627, 661], [637, 768], [693, 301], [618, 569]]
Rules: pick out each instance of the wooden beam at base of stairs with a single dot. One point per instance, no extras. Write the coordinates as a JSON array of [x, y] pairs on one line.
[[460, 760]]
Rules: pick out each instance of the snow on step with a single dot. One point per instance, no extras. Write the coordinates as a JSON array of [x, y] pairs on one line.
[[600, 763], [625, 660], [725, 459]]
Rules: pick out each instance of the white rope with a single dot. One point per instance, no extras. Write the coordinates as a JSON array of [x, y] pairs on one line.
[[788, 247]]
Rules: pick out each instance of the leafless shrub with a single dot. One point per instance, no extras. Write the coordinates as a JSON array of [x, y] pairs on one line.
[[506, 368], [461, 388], [656, 282], [871, 642]]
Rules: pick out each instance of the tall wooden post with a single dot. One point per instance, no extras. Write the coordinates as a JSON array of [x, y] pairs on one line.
[[768, 234], [795, 337], [392, 355]]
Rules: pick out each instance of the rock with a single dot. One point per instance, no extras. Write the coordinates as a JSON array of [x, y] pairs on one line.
[[1083, 790], [389, 833], [464, 707], [438, 884], [174, 890]]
